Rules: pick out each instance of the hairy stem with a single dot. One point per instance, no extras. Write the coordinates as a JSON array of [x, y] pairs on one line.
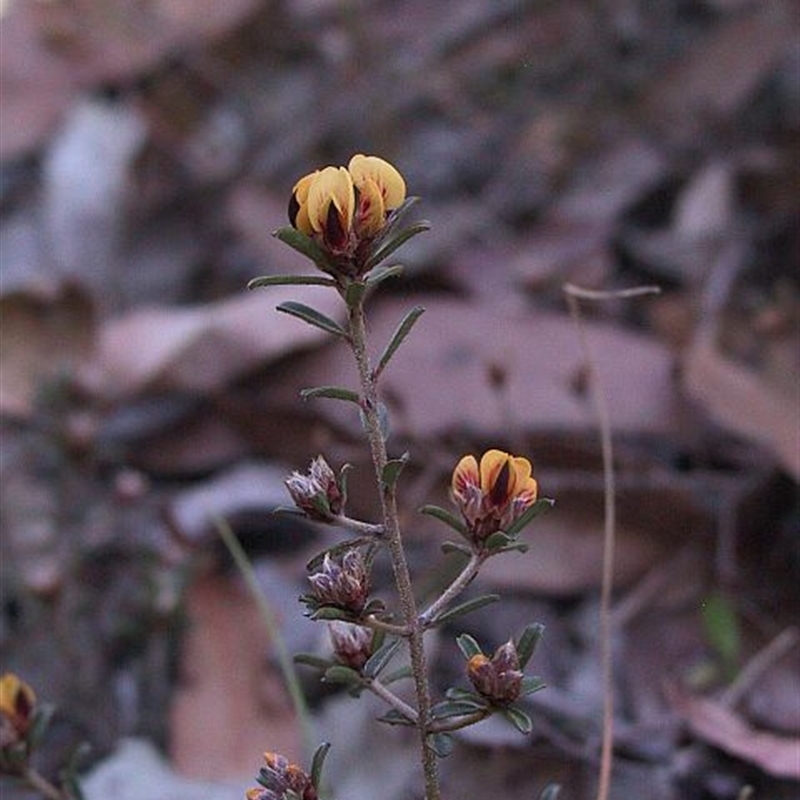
[[453, 590], [394, 542]]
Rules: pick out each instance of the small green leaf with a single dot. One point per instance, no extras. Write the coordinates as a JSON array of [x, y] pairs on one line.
[[392, 469], [403, 329], [290, 280], [318, 762], [465, 608], [310, 660], [339, 673], [397, 240], [397, 675], [332, 392], [312, 317], [531, 684], [468, 646], [441, 743], [447, 517], [497, 540], [381, 657], [518, 718], [394, 717], [455, 708], [380, 274], [329, 613], [540, 506], [528, 641], [304, 245], [455, 547]]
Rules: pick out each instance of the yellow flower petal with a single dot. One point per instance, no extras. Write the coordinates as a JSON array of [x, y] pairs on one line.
[[387, 178], [492, 463], [466, 473], [371, 210], [332, 185]]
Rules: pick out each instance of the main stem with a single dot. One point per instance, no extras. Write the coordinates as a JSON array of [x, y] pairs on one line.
[[394, 541]]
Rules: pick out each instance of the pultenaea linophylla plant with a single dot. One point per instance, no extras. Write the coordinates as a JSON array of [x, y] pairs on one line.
[[347, 221]]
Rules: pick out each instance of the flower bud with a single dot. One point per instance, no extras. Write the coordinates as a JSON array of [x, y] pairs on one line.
[[317, 493], [499, 678], [343, 584], [352, 644], [278, 778]]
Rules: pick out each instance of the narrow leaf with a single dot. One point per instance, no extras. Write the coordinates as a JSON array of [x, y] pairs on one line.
[[332, 392], [441, 744], [403, 329], [394, 717], [468, 646], [381, 657], [528, 641], [531, 684], [312, 317], [339, 673], [397, 675], [304, 245], [465, 608], [455, 547], [392, 243], [518, 718], [447, 517], [290, 280], [379, 274], [455, 708], [318, 762], [391, 472], [310, 660], [539, 507]]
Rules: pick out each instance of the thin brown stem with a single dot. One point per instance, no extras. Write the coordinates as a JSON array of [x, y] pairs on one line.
[[573, 293], [42, 785], [453, 590], [394, 543], [390, 698]]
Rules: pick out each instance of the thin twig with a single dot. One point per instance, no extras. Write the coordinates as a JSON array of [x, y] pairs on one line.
[[357, 526], [453, 590], [41, 784], [573, 293], [758, 665], [273, 630], [389, 697]]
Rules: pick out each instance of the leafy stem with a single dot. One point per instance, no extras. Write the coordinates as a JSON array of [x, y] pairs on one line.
[[370, 406]]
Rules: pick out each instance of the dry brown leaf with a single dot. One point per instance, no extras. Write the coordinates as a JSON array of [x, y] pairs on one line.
[[228, 707], [42, 337], [739, 400], [458, 346], [714, 723], [201, 349]]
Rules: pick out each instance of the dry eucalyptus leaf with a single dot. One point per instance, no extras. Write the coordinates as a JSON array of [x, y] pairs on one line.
[[201, 349], [712, 722], [461, 348], [739, 400], [42, 338]]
